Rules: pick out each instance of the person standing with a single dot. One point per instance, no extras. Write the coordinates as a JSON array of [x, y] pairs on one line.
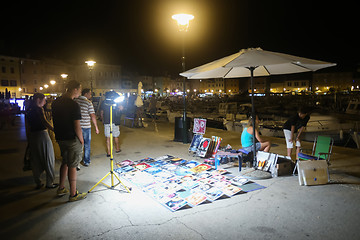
[[42, 152], [87, 116], [293, 125], [66, 118]]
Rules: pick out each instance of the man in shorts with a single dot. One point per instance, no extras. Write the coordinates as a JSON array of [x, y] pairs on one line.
[[66, 117], [105, 118], [295, 125]]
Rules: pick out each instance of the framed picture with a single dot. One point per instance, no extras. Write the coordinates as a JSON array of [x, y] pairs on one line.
[[199, 126]]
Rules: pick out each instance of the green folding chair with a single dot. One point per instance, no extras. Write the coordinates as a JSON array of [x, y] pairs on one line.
[[322, 149]]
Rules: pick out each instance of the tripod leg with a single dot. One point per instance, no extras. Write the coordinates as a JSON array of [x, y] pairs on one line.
[[99, 182], [127, 189]]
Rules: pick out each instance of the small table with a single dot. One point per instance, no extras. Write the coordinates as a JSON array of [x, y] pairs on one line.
[[221, 154]]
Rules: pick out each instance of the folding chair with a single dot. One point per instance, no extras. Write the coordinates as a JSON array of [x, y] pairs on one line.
[[322, 149]]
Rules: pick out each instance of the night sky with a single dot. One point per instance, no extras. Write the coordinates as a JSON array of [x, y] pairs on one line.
[[141, 36]]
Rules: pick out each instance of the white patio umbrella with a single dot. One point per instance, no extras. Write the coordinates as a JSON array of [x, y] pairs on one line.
[[139, 101], [254, 62]]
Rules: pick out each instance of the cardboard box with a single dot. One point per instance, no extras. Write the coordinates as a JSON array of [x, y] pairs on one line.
[[284, 165], [313, 172], [284, 168]]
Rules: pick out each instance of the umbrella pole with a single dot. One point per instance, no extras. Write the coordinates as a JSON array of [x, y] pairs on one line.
[[253, 115], [185, 129]]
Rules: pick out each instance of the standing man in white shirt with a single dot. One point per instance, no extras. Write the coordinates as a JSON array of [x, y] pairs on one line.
[[87, 116]]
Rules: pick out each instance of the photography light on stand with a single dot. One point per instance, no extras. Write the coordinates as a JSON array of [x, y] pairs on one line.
[[111, 99]]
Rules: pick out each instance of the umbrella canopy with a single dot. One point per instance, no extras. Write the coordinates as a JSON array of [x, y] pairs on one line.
[[265, 63], [255, 62]]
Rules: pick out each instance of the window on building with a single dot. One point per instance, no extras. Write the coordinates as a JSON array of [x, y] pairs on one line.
[[289, 84], [4, 82], [296, 84], [3, 69], [13, 83], [12, 70]]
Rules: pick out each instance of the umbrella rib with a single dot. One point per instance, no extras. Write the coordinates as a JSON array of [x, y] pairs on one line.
[[227, 73], [267, 70], [302, 66]]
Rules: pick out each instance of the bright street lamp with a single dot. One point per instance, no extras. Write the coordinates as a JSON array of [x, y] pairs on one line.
[[183, 21], [90, 63], [64, 75]]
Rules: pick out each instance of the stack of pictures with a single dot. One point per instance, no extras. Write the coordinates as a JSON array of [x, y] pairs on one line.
[[177, 183]]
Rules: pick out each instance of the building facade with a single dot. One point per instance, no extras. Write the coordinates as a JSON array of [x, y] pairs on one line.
[[10, 86]]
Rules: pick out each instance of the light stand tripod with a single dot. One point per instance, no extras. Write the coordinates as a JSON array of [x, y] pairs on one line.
[[111, 173]]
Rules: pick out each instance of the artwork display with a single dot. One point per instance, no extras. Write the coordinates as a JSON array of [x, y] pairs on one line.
[[199, 126], [177, 183], [195, 143], [203, 147]]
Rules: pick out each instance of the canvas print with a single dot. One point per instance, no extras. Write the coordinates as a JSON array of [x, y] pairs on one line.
[[239, 180], [143, 181], [199, 126], [125, 169], [214, 193], [169, 167], [153, 170], [158, 163], [189, 181], [203, 147], [181, 162], [184, 193], [165, 157], [204, 187], [163, 176], [231, 190], [124, 163], [217, 141], [195, 198], [195, 143], [180, 171], [204, 174], [219, 172], [148, 159], [142, 166], [175, 203], [200, 168], [175, 160], [191, 164]]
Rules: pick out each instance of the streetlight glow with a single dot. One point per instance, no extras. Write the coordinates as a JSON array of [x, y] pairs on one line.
[[90, 63], [183, 20], [64, 75], [52, 82]]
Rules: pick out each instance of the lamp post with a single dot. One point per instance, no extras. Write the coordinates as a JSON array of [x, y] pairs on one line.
[[91, 65], [64, 78], [183, 21]]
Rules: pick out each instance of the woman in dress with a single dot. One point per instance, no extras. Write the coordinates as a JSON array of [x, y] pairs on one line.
[[42, 151]]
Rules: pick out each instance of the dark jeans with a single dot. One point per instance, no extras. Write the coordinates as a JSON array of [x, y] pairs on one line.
[[87, 140]]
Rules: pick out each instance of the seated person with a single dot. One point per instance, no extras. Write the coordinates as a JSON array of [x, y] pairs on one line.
[[247, 138]]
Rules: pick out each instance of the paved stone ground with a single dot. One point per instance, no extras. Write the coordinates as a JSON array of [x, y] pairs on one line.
[[283, 210]]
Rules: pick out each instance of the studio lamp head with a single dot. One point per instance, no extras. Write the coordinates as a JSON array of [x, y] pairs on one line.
[[112, 98]]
